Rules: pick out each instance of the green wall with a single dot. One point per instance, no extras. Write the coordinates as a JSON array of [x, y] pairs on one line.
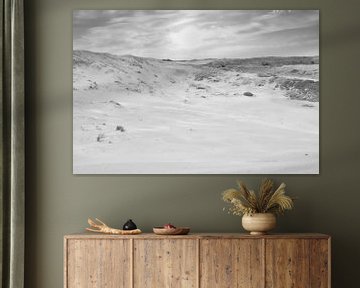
[[59, 202]]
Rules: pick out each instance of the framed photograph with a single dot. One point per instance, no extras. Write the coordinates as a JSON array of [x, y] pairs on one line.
[[196, 92]]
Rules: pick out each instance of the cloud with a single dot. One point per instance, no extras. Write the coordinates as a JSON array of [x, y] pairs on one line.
[[188, 34]]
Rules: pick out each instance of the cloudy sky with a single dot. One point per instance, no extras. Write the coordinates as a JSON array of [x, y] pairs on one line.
[[186, 34]]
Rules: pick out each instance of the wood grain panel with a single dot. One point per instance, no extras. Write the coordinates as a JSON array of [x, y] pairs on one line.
[[319, 263], [231, 263], [98, 264], [166, 263], [197, 260], [287, 263]]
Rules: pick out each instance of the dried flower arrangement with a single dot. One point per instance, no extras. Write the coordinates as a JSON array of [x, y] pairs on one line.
[[246, 202]]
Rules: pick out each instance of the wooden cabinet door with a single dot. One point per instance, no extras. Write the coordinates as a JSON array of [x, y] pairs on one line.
[[231, 263], [297, 263], [287, 263], [320, 263], [98, 263], [165, 263]]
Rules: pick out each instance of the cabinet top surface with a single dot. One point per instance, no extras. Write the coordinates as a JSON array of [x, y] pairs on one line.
[[86, 235]]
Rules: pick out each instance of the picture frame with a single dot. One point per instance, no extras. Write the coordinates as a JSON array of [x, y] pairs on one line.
[[196, 92]]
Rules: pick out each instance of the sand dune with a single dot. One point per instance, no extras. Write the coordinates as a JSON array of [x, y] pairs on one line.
[[144, 115]]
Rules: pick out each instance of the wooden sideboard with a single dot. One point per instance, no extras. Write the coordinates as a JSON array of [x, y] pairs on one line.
[[197, 260]]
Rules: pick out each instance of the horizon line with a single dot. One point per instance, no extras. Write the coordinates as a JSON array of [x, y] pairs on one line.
[[211, 58]]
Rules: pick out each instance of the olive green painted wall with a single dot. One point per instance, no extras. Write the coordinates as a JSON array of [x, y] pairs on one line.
[[59, 203]]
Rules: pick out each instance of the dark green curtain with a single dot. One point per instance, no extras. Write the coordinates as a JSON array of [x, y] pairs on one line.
[[12, 194]]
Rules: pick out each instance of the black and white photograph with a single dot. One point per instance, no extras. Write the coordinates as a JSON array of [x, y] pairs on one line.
[[196, 92]]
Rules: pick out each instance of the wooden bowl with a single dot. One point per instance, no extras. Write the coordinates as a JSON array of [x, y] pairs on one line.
[[259, 223], [171, 231]]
